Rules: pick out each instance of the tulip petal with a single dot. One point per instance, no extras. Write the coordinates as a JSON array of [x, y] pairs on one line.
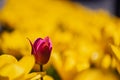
[[33, 49], [43, 53], [49, 41], [37, 43]]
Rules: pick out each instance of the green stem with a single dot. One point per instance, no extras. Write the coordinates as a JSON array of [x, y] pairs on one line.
[[41, 70]]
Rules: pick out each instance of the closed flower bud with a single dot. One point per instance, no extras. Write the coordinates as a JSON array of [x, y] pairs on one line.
[[41, 49]]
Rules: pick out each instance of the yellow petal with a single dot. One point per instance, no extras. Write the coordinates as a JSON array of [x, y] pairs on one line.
[[6, 59], [116, 52], [114, 63], [27, 63], [46, 77], [106, 62], [11, 72], [31, 75], [96, 74], [118, 67]]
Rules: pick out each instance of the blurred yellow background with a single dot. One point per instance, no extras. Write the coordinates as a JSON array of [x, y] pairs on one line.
[[85, 42]]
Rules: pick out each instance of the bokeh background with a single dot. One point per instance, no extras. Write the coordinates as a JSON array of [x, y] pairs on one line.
[[85, 35]]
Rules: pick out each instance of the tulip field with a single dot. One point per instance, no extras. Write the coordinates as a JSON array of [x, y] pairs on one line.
[[58, 40]]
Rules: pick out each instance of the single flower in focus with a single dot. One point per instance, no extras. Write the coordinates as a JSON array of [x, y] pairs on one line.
[[41, 49]]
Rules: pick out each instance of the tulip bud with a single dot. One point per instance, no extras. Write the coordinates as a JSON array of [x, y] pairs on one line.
[[41, 49]]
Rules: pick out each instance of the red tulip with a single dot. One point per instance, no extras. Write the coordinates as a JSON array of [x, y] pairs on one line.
[[41, 49]]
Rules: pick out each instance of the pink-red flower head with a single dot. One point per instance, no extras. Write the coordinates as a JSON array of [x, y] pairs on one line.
[[41, 49]]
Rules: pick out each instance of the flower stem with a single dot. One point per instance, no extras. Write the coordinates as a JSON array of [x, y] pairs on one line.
[[41, 70]]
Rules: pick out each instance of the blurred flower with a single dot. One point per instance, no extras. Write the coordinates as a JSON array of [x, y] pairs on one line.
[[41, 49], [96, 74], [13, 69]]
